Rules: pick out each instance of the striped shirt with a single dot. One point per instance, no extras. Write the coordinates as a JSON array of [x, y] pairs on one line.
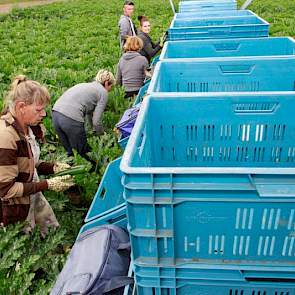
[[17, 164]]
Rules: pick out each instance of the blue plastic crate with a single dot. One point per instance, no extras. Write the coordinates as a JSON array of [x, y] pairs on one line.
[[212, 179], [191, 2], [130, 289], [206, 5], [213, 278], [211, 13], [214, 21], [238, 75], [218, 28], [276, 46], [155, 60], [109, 195], [122, 141], [169, 276], [116, 216], [142, 93], [224, 288]]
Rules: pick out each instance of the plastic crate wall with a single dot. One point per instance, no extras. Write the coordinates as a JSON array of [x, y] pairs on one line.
[[256, 27], [223, 289], [244, 74], [214, 189], [206, 6], [276, 46], [109, 195], [215, 21], [211, 13], [116, 216], [170, 277]]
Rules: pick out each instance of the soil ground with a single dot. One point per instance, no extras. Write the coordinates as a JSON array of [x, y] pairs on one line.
[[6, 6]]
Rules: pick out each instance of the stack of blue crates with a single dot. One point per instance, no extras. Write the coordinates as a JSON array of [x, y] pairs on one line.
[[209, 183], [206, 185]]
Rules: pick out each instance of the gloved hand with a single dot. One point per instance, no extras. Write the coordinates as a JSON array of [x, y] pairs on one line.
[[59, 166], [163, 39], [60, 183], [148, 74]]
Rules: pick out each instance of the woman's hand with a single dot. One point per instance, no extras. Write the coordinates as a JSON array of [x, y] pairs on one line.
[[163, 39], [59, 166], [60, 183]]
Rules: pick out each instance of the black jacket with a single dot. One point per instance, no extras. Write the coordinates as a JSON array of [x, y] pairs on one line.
[[149, 49]]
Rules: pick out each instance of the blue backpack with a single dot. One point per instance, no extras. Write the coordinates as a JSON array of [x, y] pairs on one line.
[[98, 263], [126, 123]]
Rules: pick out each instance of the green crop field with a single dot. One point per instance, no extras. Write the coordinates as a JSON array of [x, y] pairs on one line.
[[60, 45]]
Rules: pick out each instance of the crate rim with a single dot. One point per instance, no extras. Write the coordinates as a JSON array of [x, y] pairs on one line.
[[204, 13], [199, 42], [204, 17], [227, 58], [131, 146], [216, 59], [206, 1], [214, 266], [175, 29]]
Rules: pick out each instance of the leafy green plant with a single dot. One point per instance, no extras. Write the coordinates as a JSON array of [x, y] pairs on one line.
[[69, 43]]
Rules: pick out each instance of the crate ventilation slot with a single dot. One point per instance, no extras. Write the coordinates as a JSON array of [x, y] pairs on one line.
[[236, 292], [195, 244], [216, 244], [244, 218], [255, 107], [191, 132], [227, 47]]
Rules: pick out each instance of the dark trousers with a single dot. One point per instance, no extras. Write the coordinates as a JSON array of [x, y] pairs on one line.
[[71, 133], [130, 93]]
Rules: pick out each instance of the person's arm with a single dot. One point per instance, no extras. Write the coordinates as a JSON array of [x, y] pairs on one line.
[[44, 168], [124, 27], [145, 65], [148, 47], [11, 184], [119, 75], [98, 112]]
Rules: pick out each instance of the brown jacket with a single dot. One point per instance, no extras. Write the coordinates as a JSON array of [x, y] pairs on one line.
[[17, 164]]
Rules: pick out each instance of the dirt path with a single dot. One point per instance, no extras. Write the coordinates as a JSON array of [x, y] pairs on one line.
[[6, 8]]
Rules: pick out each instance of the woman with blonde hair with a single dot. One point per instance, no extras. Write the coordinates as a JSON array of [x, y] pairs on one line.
[[71, 109], [20, 188], [132, 67]]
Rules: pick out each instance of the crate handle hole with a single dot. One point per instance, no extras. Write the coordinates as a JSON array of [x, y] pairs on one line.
[[102, 194]]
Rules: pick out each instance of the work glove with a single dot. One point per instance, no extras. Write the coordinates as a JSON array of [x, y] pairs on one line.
[[163, 39], [148, 74], [60, 183], [59, 166]]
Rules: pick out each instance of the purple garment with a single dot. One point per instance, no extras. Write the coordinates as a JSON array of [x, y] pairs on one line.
[[126, 124]]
